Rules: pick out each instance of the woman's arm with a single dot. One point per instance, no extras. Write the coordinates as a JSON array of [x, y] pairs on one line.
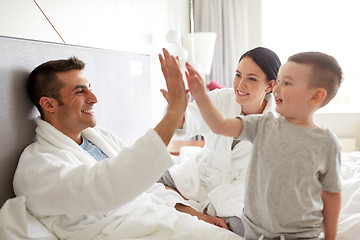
[[212, 116], [331, 211]]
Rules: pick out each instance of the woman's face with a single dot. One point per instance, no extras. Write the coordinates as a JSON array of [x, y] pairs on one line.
[[251, 86]]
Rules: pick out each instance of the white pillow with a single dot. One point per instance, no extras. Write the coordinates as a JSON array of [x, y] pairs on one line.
[[17, 223]]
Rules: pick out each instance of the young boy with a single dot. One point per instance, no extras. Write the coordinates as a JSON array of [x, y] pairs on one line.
[[293, 183]]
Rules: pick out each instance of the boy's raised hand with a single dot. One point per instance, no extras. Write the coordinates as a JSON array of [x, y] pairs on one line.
[[195, 82]]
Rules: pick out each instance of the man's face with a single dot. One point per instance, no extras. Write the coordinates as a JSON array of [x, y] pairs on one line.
[[76, 112]]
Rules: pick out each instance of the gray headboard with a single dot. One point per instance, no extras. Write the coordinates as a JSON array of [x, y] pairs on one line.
[[121, 82]]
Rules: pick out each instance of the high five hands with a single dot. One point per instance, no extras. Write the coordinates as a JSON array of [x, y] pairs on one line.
[[170, 67]]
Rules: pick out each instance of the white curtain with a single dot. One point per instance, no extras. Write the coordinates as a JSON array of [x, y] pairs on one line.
[[230, 20]]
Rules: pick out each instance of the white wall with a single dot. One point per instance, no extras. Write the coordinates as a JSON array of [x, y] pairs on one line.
[[126, 25], [289, 37], [345, 125]]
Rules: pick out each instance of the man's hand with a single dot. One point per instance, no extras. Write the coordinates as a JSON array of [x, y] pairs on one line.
[[176, 94], [166, 96], [177, 98]]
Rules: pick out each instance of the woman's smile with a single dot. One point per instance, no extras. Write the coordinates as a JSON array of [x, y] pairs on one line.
[[240, 93]]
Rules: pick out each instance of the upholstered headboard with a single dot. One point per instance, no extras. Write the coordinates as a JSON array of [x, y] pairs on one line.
[[121, 82]]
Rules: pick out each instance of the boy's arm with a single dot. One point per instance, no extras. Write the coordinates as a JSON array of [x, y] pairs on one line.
[[331, 211], [212, 116]]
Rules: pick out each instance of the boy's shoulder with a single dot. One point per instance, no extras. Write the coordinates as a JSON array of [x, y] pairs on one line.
[[265, 115], [268, 117], [330, 135], [265, 120]]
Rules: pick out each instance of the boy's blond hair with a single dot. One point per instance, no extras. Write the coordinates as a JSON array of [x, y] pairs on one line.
[[326, 72]]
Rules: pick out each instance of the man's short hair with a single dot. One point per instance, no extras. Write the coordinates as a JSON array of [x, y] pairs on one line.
[[44, 82], [326, 72]]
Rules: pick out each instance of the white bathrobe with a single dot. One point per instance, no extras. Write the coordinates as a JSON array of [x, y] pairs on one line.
[[76, 197], [215, 176]]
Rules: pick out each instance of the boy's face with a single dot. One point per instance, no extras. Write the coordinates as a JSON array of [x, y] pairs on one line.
[[292, 94]]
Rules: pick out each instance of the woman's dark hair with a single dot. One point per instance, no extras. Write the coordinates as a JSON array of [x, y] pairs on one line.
[[266, 59]]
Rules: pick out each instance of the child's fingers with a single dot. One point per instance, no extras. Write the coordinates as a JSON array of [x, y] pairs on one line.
[[192, 70], [189, 67]]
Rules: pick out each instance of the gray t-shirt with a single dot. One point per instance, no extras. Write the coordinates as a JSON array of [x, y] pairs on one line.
[[290, 166]]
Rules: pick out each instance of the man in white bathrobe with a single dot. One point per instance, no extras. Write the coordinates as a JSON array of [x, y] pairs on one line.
[[82, 182]]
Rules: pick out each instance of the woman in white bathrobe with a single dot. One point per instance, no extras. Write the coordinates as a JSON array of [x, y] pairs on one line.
[[213, 178]]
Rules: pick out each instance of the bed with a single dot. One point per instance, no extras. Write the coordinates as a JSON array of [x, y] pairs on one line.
[[349, 223], [116, 77], [124, 73]]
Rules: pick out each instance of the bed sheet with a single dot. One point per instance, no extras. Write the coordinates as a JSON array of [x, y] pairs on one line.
[[145, 218], [349, 222], [16, 223]]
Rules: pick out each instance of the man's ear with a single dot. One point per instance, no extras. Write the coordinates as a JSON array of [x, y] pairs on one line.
[[48, 104], [318, 96], [271, 86]]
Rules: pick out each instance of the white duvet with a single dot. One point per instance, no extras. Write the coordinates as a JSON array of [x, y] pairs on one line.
[[212, 175], [220, 191], [147, 217], [349, 225], [227, 200]]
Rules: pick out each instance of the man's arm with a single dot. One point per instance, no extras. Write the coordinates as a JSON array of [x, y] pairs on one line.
[[177, 97], [166, 96], [212, 116], [331, 211]]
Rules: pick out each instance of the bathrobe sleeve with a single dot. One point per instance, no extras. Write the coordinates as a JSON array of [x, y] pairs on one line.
[[59, 178]]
